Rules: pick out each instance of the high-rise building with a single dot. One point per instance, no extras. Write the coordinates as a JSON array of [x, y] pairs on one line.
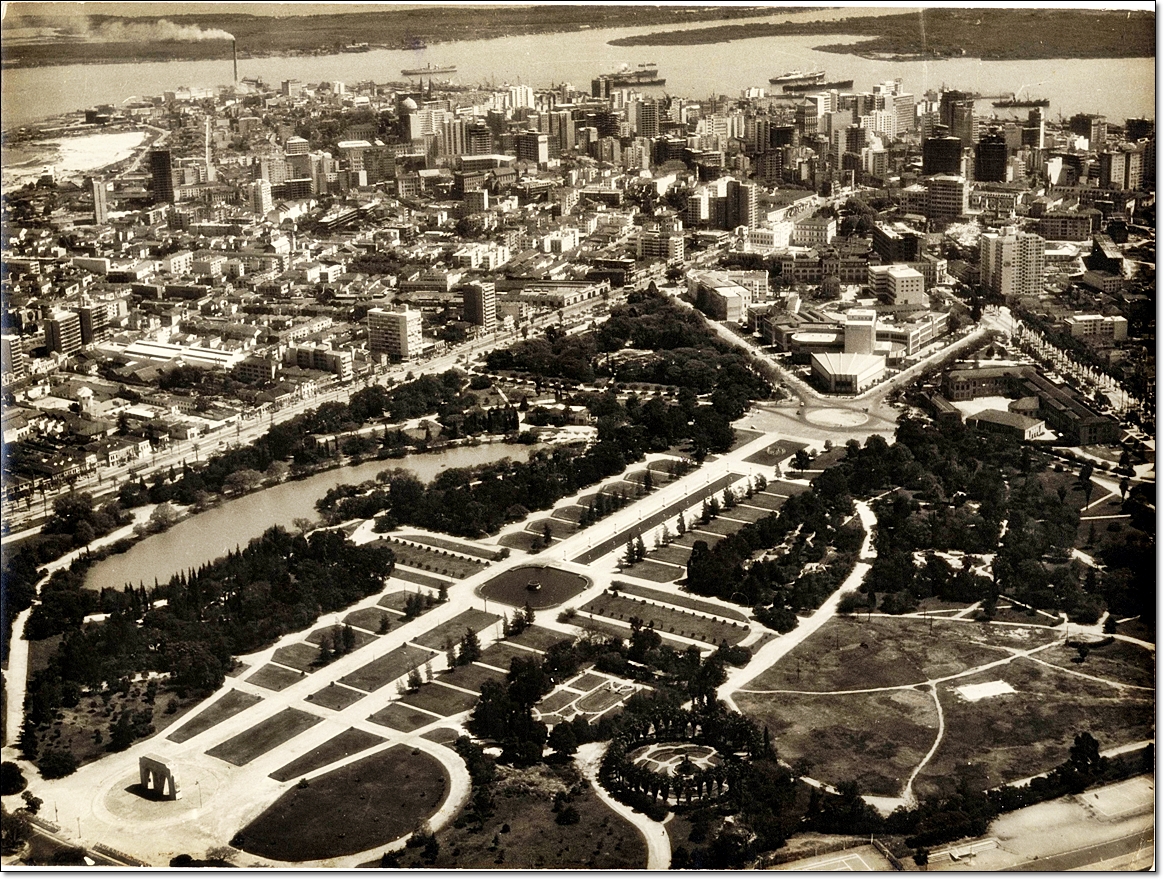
[[399, 335], [100, 200], [532, 146], [12, 356], [860, 331], [947, 198], [897, 243], [162, 176], [1136, 129], [479, 305], [941, 155], [62, 332], [1011, 263], [1035, 133], [956, 111], [647, 124], [94, 322], [260, 197], [1090, 126], [990, 158]]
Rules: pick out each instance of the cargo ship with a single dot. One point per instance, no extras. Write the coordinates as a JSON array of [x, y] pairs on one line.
[[429, 70], [1016, 101], [643, 75], [819, 87], [798, 78]]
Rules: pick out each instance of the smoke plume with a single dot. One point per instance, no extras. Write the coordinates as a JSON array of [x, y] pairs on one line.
[[158, 31]]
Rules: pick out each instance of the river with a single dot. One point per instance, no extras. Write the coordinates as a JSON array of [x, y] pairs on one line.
[[1118, 88], [213, 533]]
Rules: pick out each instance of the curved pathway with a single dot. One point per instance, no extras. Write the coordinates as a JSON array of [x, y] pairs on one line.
[[588, 759]]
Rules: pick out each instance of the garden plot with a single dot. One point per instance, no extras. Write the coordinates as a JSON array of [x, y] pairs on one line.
[[470, 677], [502, 653], [656, 571], [539, 638], [316, 637], [404, 718], [299, 656], [440, 700], [680, 600], [369, 619], [600, 694]]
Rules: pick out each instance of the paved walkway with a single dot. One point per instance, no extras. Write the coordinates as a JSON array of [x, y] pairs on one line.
[[589, 759]]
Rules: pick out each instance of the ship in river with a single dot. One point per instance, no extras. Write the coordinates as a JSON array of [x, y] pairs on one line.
[[1016, 101], [819, 87], [643, 75], [429, 70], [798, 78]]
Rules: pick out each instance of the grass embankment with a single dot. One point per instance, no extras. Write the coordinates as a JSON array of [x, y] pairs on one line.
[[995, 34]]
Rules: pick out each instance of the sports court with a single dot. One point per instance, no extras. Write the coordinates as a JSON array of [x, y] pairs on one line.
[[1117, 801], [864, 858]]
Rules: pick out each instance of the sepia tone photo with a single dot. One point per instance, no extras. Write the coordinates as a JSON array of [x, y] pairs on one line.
[[587, 436]]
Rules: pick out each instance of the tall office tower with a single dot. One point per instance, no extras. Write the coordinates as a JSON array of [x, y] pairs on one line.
[[296, 146], [479, 305], [1090, 126], [396, 334], [990, 158], [941, 155], [479, 138], [905, 108], [100, 200], [647, 123], [273, 169], [1035, 131], [162, 176], [1138, 129], [850, 139], [452, 139], [62, 332], [947, 198], [520, 96], [562, 128], [94, 322], [12, 356], [1011, 263], [532, 146], [739, 204], [260, 197], [807, 120], [957, 112], [860, 331]]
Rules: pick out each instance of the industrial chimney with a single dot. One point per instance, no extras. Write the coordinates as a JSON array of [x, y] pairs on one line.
[[234, 54]]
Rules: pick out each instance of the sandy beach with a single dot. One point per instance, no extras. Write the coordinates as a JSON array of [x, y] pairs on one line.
[[70, 156]]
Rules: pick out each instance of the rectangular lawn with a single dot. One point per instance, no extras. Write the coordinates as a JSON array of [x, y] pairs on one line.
[[226, 706], [275, 678], [451, 631], [471, 676], [336, 696], [264, 736], [385, 670], [441, 700], [335, 749], [403, 718], [299, 656]]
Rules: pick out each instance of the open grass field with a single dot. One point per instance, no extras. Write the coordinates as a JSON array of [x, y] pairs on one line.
[[435, 560], [275, 678], [368, 803], [455, 546], [523, 804], [1119, 661], [853, 652], [539, 637], [511, 587], [226, 706], [656, 572], [772, 455], [611, 628], [420, 578], [299, 656], [680, 600], [403, 718], [500, 655], [667, 620], [450, 632], [264, 736], [471, 676], [341, 746], [766, 500], [336, 696], [875, 739], [369, 619], [385, 670], [362, 638], [1018, 735], [443, 701]]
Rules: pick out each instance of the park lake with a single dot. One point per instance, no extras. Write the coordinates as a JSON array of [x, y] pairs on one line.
[[205, 536]]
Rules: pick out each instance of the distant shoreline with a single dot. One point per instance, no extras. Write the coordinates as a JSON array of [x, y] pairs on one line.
[[940, 33]]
